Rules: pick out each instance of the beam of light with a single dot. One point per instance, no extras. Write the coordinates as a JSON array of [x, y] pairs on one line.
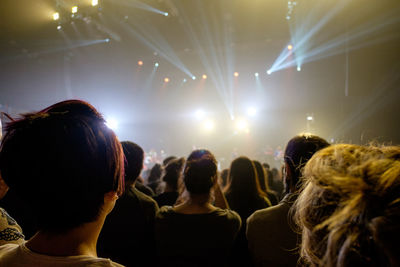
[[211, 38], [256, 75], [241, 124], [74, 9], [310, 33], [112, 123], [143, 6], [95, 2], [103, 28], [56, 16], [199, 114], [251, 111], [151, 37], [209, 125]]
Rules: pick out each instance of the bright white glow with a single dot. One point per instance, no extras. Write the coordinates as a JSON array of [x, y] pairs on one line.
[[310, 118], [59, 27], [166, 14], [256, 74], [193, 77], [269, 72], [156, 64], [184, 80], [251, 111], [241, 125], [200, 114], [298, 68], [74, 9], [95, 2], [107, 40], [208, 125], [112, 124], [236, 74], [56, 16], [204, 76]]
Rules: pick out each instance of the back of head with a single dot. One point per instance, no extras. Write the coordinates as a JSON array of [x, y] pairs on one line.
[[167, 160], [155, 173], [134, 156], [61, 161], [243, 181], [349, 210], [298, 151], [172, 172], [262, 176], [200, 172]]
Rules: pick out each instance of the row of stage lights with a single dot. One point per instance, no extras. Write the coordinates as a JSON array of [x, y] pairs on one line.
[[204, 76], [74, 11]]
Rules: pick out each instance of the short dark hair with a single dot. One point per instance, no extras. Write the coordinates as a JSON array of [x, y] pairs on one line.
[[200, 172], [134, 156], [61, 161]]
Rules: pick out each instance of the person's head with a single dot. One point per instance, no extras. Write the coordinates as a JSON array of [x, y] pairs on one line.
[[172, 173], [64, 162], [262, 176], [155, 173], [224, 177], [200, 173], [167, 160], [134, 155], [243, 181], [349, 210], [298, 151]]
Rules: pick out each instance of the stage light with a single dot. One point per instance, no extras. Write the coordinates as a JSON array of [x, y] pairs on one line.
[[298, 68], [200, 114], [107, 40], [208, 125], [236, 74], [166, 14], [112, 124], [95, 2], [204, 76], [156, 64], [140, 63], [256, 74], [166, 79], [290, 47], [184, 80], [241, 125], [251, 111], [193, 77], [310, 118], [74, 9], [269, 72], [59, 27], [288, 17], [56, 16]]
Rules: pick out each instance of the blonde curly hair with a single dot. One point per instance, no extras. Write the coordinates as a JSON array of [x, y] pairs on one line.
[[349, 209]]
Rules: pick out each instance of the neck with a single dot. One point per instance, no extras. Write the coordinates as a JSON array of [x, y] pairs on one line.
[[196, 204], [81, 240]]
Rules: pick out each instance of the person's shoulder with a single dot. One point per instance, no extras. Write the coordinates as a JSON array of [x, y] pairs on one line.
[[7, 248], [228, 214], [145, 199], [165, 210]]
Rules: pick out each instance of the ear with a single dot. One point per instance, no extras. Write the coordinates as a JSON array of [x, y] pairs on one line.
[[287, 178], [111, 196]]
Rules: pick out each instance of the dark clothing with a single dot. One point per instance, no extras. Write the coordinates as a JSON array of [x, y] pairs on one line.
[[241, 255], [273, 197], [272, 241], [127, 236], [144, 189], [195, 239], [166, 198]]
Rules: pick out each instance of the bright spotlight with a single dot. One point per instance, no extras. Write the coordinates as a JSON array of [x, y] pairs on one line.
[[290, 47], [166, 14], [204, 76], [184, 80], [107, 40], [193, 77], [298, 68], [200, 114], [95, 2], [241, 124], [269, 72], [156, 64], [236, 74], [56, 16], [59, 27], [251, 111], [256, 74], [166, 79], [140, 63], [310, 118], [208, 125], [112, 124], [74, 9]]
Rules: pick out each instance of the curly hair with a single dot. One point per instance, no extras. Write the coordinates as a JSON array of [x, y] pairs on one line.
[[349, 209]]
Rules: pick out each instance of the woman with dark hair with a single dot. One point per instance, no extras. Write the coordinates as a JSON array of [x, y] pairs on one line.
[[263, 181], [154, 179], [197, 232], [171, 178], [349, 210], [245, 197]]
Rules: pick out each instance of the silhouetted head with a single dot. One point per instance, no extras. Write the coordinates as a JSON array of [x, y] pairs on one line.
[[262, 176], [62, 161], [172, 172], [200, 172], [298, 151], [167, 160], [134, 156], [155, 173]]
